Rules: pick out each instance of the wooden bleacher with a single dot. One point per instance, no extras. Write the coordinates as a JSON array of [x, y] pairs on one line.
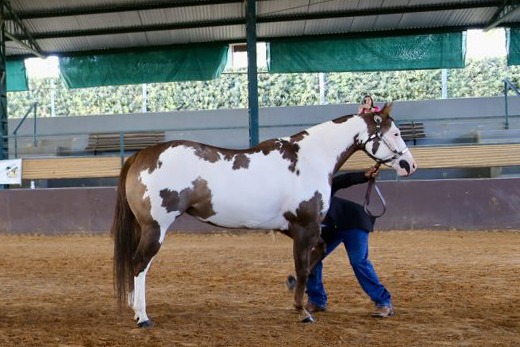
[[471, 156], [132, 141], [412, 131]]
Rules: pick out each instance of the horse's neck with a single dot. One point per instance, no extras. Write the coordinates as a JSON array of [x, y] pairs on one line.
[[330, 144]]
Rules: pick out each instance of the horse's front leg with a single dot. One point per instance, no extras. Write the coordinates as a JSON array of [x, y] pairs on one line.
[[308, 249]]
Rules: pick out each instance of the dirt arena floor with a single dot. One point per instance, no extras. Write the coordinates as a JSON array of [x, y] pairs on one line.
[[449, 288]]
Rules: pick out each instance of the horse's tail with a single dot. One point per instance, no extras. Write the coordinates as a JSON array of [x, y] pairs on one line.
[[126, 234]]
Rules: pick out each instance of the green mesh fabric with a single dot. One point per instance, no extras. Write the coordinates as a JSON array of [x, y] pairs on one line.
[[189, 63], [433, 51], [513, 46], [16, 76]]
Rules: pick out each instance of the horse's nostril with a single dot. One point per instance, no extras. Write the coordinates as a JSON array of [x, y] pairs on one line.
[[404, 165]]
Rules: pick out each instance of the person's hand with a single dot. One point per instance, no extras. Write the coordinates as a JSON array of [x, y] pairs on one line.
[[372, 172]]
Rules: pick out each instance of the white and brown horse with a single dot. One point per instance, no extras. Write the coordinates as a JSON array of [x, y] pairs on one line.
[[281, 184]]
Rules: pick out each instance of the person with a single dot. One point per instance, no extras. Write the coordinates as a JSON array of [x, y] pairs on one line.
[[347, 222], [367, 105]]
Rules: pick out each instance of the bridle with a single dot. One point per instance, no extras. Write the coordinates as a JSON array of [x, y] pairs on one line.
[[378, 134]]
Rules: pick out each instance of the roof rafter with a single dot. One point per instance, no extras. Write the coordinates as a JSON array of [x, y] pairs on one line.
[[506, 10], [132, 7], [16, 31], [265, 19]]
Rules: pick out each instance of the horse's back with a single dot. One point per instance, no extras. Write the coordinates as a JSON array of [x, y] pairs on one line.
[[231, 188]]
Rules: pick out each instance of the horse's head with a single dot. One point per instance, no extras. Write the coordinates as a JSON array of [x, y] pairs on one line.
[[383, 142]]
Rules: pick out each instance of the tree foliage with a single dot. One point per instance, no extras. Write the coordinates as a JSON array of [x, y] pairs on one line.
[[478, 79]]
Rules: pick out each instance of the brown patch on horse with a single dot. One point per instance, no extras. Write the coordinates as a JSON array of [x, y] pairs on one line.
[[343, 119], [149, 157], [384, 126], [288, 149], [299, 136], [208, 153], [308, 211], [195, 201], [342, 158], [241, 161]]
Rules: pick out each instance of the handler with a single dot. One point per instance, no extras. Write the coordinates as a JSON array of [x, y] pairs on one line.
[[347, 222]]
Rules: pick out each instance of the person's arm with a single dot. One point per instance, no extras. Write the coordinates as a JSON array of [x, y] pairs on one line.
[[352, 178], [347, 180]]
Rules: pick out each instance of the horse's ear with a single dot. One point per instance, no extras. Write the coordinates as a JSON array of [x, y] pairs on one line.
[[387, 109]]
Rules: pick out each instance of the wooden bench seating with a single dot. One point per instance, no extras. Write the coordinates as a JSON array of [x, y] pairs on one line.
[[111, 142], [427, 157], [411, 131], [437, 157]]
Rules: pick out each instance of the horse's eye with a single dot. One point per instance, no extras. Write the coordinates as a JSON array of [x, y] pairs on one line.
[[396, 134]]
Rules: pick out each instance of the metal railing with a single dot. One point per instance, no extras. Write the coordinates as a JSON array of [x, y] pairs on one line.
[[508, 85], [33, 108]]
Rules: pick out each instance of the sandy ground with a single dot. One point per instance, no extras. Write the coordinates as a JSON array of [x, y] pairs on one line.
[[449, 288]]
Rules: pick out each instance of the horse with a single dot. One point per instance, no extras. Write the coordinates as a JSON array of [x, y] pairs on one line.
[[281, 184]]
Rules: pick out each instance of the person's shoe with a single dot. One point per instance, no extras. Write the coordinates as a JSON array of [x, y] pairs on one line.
[[383, 311], [311, 308]]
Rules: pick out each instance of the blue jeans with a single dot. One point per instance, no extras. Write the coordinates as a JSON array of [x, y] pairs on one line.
[[356, 244]]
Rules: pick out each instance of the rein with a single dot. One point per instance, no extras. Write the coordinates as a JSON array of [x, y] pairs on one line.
[[366, 200]]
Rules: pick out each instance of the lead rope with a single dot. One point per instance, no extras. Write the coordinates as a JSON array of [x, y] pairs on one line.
[[366, 200]]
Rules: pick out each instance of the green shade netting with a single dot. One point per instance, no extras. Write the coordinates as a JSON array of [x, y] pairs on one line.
[[193, 63], [435, 51], [16, 76], [513, 46]]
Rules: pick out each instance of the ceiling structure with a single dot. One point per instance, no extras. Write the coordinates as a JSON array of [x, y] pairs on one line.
[[69, 27]]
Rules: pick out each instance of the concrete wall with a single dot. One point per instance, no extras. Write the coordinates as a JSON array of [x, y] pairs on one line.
[[483, 204], [446, 121]]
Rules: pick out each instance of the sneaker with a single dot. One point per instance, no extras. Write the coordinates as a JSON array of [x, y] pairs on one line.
[[383, 311], [311, 308]]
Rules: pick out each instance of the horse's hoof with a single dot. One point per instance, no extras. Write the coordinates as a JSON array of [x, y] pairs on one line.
[[308, 319], [290, 283], [145, 324]]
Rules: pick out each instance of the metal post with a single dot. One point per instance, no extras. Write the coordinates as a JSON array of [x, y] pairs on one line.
[[252, 72], [122, 147], [144, 107], [53, 98], [4, 142], [322, 86], [444, 78], [506, 89], [35, 106]]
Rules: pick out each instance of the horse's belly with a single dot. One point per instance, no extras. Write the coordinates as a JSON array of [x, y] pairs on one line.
[[239, 219]]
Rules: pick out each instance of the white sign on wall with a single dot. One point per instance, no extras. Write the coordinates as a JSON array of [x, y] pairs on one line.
[[11, 171]]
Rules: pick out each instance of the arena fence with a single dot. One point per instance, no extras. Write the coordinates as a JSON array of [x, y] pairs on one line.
[[468, 156]]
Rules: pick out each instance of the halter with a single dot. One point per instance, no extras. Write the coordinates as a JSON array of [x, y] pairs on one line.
[[378, 134]]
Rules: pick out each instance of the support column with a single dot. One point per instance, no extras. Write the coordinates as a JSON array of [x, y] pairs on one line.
[[4, 141], [252, 72]]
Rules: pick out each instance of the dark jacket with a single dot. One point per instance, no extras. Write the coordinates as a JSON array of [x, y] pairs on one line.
[[344, 214]]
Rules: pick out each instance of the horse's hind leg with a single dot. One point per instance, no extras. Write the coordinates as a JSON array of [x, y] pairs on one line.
[[152, 237], [308, 249]]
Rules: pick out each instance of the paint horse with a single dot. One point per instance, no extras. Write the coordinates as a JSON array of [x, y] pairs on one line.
[[282, 184]]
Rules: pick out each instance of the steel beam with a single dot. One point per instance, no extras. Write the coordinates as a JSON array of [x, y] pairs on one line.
[[505, 11], [252, 72]]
